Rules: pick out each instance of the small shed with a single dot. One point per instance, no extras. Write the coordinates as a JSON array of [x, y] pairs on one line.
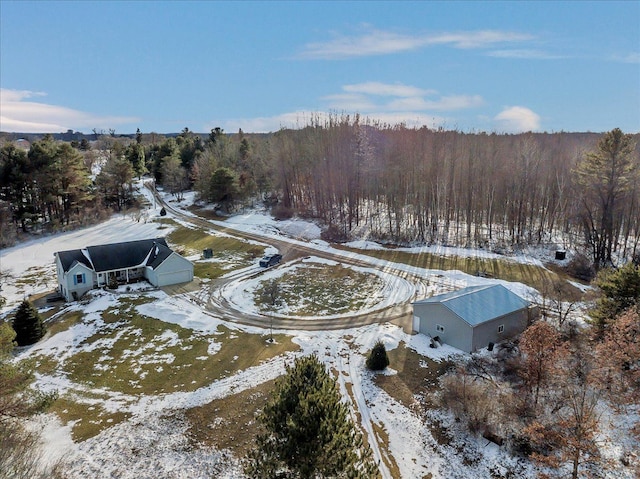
[[471, 318]]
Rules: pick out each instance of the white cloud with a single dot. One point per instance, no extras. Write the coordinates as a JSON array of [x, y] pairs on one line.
[[477, 39], [633, 57], [18, 95], [524, 54], [379, 42], [386, 103], [445, 103], [396, 97], [24, 116], [350, 101], [386, 89], [516, 119]]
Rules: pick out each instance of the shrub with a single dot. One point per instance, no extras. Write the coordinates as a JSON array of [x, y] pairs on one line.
[[334, 234], [580, 267], [281, 212], [378, 359], [27, 324], [163, 212]]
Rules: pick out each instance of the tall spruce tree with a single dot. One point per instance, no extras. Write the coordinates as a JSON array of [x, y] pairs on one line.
[[307, 431], [28, 324]]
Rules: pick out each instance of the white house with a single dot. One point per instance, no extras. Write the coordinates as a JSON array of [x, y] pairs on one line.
[[471, 318], [80, 270]]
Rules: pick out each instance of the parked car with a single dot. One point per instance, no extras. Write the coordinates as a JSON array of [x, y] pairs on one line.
[[270, 260]]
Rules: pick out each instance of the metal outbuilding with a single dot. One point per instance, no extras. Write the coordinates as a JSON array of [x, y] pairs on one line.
[[471, 318]]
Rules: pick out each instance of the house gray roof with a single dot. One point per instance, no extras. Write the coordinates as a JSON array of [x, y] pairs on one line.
[[479, 304], [115, 256], [159, 253], [71, 257]]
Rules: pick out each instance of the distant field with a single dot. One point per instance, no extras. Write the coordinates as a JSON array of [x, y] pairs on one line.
[[531, 275], [228, 252]]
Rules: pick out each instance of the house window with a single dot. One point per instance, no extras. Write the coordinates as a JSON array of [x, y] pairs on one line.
[[501, 329], [78, 278], [439, 328]]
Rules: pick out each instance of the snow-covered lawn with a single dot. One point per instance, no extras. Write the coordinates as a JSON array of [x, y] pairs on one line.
[[148, 440]]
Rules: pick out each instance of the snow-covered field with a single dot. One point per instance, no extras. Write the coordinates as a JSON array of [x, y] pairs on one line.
[[151, 442]]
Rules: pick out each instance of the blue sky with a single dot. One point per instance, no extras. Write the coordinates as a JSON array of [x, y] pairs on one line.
[[474, 66]]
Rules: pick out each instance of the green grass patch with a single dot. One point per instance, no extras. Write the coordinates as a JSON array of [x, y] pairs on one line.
[[89, 420], [228, 252], [135, 354], [206, 213], [319, 289], [45, 365], [35, 277], [64, 322]]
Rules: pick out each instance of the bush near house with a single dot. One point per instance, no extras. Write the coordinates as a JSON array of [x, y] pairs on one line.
[[378, 359]]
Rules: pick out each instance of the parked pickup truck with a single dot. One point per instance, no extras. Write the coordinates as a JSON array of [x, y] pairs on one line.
[[270, 260]]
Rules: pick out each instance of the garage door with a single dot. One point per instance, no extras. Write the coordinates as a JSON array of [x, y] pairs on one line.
[[174, 277]]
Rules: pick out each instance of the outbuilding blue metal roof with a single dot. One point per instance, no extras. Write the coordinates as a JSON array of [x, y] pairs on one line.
[[479, 304]]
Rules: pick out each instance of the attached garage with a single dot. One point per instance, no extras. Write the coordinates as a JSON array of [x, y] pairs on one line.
[[471, 318], [172, 270]]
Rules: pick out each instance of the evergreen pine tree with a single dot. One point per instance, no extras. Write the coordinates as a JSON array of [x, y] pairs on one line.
[[378, 359], [307, 430], [28, 324], [620, 290]]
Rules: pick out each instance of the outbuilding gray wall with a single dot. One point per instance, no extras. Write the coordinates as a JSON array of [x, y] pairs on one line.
[[485, 333], [458, 333]]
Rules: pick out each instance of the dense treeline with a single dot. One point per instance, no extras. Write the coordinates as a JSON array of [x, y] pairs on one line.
[[423, 185], [396, 184]]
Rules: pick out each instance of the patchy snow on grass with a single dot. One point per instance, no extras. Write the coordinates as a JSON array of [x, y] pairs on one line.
[[240, 293], [152, 442], [149, 447]]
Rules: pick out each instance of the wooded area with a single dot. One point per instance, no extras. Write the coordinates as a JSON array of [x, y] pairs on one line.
[[390, 183]]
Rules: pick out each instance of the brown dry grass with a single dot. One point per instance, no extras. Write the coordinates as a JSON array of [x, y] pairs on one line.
[[230, 422], [417, 374]]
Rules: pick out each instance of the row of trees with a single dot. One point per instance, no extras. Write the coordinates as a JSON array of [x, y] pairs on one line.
[[549, 396], [404, 185], [474, 189], [399, 184]]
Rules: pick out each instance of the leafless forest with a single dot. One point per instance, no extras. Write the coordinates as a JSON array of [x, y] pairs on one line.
[[404, 185], [387, 183]]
